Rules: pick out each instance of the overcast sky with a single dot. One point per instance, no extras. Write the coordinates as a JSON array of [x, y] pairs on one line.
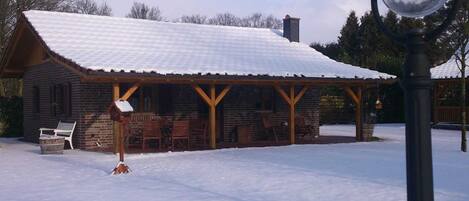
[[321, 20]]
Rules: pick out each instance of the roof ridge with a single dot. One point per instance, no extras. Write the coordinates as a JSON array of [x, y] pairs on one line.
[[152, 21]]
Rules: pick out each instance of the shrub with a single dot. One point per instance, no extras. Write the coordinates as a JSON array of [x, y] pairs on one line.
[[11, 116]]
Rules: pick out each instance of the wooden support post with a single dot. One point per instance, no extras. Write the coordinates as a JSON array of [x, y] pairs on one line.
[[213, 133], [359, 116], [115, 126], [292, 115], [291, 100], [212, 101], [357, 99]]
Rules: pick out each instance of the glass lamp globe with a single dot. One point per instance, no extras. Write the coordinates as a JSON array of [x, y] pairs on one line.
[[414, 8]]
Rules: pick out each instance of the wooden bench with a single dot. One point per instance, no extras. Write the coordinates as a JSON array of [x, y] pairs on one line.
[[63, 130]]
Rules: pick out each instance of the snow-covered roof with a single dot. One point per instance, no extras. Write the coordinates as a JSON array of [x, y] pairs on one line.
[[447, 70], [132, 45]]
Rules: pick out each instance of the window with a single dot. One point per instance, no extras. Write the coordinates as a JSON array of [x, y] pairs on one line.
[[61, 99], [36, 100]]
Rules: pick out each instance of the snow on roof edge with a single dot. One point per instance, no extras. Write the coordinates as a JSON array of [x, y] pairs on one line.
[[377, 75]]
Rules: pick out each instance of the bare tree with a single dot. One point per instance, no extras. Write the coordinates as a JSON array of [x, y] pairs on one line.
[[273, 22], [88, 7], [194, 19], [460, 41], [225, 19], [142, 11], [260, 21]]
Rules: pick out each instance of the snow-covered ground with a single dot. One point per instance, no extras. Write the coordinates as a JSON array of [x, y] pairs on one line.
[[348, 172]]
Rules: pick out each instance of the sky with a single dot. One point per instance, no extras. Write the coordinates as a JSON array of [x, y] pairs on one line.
[[321, 20]]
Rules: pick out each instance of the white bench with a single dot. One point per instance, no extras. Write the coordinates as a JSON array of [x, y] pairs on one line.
[[63, 130]]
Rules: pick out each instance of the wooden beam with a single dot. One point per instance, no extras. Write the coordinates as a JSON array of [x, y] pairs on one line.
[[115, 91], [202, 94], [130, 91], [115, 125], [283, 94], [358, 116], [352, 94], [301, 94], [222, 94], [213, 133], [292, 115]]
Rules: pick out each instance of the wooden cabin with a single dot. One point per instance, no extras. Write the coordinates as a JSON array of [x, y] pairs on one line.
[[447, 93], [233, 86]]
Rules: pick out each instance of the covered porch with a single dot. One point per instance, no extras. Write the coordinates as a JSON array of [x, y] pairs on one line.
[[197, 114]]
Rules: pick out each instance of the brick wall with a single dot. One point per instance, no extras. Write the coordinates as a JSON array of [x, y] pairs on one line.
[[94, 127], [95, 124]]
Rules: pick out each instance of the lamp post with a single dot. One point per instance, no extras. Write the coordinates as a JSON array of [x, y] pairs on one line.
[[417, 84]]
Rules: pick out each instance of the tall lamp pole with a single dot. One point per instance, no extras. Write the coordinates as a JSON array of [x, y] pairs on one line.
[[417, 85]]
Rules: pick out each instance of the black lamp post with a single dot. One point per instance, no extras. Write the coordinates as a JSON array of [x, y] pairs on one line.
[[417, 84]]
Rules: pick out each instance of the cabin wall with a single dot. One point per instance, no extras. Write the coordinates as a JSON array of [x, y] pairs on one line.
[[94, 126], [44, 76]]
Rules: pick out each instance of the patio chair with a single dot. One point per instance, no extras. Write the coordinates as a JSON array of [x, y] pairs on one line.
[[301, 128], [198, 132], [151, 131], [180, 133], [63, 129], [269, 128]]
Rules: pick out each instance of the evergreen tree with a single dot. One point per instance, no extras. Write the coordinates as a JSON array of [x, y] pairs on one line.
[[331, 50], [370, 38], [349, 41]]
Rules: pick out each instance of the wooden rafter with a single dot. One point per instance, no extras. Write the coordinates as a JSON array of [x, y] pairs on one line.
[[291, 99], [283, 94], [301, 94], [212, 101], [130, 91], [202, 94], [352, 95], [222, 94], [357, 99]]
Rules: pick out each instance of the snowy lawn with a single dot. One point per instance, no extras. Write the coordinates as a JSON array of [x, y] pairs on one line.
[[340, 172]]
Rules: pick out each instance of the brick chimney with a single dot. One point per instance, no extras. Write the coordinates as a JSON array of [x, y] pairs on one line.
[[291, 28]]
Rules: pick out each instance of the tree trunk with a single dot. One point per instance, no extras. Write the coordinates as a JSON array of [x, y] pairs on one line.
[[463, 108]]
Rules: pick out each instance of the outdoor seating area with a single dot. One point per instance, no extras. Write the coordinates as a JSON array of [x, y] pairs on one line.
[[147, 133]]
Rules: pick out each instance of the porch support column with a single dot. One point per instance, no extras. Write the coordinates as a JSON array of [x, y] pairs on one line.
[[115, 125], [357, 99], [117, 130], [291, 99], [212, 101]]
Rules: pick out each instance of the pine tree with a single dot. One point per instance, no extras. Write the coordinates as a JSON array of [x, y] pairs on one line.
[[349, 41], [371, 41]]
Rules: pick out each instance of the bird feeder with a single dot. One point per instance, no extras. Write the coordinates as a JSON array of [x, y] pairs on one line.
[[120, 111], [378, 104]]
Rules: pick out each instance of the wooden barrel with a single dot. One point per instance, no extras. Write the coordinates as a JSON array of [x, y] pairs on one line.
[[52, 145]]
